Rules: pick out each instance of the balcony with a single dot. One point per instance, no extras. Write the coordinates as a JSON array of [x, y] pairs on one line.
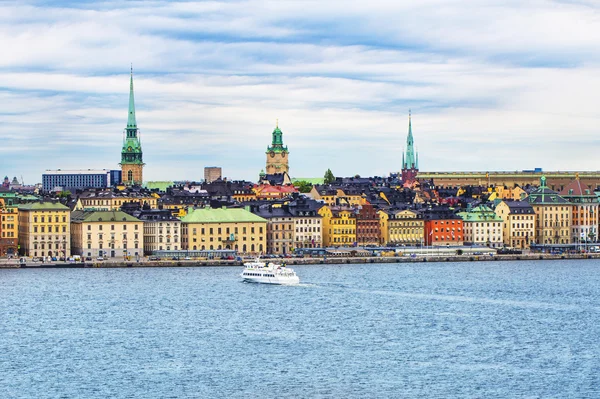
[[229, 240]]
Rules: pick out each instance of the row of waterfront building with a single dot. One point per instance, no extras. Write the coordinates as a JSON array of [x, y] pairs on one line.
[[108, 213], [349, 213]]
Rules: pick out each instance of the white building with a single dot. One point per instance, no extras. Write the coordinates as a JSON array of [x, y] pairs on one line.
[[482, 227], [162, 230], [308, 223]]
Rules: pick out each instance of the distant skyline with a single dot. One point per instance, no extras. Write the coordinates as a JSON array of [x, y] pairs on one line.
[[492, 85]]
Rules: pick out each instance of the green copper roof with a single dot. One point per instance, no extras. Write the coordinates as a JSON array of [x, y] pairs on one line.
[[44, 206], [311, 180], [543, 195], [160, 185], [221, 215], [277, 141], [480, 213], [131, 122], [102, 216]]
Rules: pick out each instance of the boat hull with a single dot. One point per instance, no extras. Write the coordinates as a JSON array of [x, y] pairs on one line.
[[271, 280]]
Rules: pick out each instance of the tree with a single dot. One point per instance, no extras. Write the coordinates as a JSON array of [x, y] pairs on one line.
[[329, 177], [303, 186]]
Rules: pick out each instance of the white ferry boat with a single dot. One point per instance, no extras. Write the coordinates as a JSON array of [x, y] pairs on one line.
[[268, 273]]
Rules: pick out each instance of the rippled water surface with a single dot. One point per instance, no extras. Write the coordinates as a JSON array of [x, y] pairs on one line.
[[435, 330]]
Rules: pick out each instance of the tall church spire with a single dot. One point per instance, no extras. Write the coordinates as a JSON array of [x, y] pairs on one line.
[[131, 153], [131, 122], [410, 161]]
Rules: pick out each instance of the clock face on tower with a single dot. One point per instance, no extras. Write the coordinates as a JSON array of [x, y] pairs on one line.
[[272, 154], [129, 148]]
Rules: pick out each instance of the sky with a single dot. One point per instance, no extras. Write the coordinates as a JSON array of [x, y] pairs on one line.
[[492, 85]]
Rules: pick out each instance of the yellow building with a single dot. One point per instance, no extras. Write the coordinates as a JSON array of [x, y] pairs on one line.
[[44, 229], [406, 227], [384, 217], [243, 194], [324, 193], [333, 196], [224, 228], [106, 234], [554, 215], [518, 230], [107, 200], [339, 226], [9, 229], [510, 193]]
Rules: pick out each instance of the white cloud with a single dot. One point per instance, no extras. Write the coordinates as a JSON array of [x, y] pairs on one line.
[[487, 83]]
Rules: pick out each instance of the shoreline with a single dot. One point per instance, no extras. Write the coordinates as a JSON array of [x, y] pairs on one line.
[[299, 261]]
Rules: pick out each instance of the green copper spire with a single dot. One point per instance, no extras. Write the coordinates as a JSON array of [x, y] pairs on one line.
[[132, 147], [131, 123], [410, 161]]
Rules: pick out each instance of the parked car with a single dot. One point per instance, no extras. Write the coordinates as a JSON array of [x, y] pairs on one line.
[[187, 258], [35, 259], [88, 258], [153, 258], [100, 258], [54, 259]]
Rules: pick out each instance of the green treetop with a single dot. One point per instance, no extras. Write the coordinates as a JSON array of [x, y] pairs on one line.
[[329, 177]]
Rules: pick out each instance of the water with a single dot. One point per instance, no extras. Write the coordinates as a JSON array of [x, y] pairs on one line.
[[473, 330]]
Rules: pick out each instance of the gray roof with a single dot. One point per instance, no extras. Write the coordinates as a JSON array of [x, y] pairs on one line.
[[544, 195]]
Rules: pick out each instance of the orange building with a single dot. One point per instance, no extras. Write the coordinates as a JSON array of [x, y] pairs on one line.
[[443, 228]]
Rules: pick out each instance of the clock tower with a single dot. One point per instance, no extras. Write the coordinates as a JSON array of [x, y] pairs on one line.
[[131, 154], [277, 154]]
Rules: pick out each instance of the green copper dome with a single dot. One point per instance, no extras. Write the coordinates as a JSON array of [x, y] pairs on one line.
[[277, 141]]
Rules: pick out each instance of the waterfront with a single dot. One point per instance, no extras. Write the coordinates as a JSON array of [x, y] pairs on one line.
[[470, 329]]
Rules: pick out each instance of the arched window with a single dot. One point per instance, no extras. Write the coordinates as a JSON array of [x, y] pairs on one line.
[[129, 176]]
